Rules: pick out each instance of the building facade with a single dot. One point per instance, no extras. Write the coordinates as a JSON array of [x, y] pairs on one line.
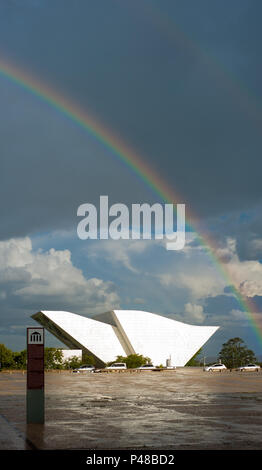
[[124, 332]]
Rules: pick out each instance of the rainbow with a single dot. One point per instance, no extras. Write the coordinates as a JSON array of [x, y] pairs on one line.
[[126, 155]]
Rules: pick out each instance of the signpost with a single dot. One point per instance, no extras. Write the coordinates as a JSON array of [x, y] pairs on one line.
[[35, 406]]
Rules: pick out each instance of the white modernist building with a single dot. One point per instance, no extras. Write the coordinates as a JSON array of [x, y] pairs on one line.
[[123, 332]]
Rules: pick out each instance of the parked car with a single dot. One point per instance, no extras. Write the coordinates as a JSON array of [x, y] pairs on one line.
[[147, 367], [117, 366], [215, 367], [249, 367], [85, 368]]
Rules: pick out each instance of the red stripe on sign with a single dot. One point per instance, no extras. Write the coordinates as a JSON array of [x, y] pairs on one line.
[[35, 366], [35, 380]]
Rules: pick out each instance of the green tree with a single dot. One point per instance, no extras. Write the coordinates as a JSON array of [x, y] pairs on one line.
[[19, 359], [88, 359], [234, 353], [6, 357], [133, 360], [53, 358], [73, 363], [195, 360]]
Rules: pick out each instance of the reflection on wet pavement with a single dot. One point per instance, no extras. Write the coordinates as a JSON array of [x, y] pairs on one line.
[[186, 409]]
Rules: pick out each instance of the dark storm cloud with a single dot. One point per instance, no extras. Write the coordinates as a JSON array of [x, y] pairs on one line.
[[182, 91], [221, 303], [244, 226], [258, 302]]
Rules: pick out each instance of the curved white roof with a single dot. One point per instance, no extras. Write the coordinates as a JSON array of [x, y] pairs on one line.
[[123, 332], [85, 333], [159, 337]]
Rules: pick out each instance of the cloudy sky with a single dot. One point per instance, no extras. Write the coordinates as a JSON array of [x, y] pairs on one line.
[[180, 84]]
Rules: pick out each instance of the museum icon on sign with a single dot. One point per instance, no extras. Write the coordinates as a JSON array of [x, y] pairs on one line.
[[35, 336]]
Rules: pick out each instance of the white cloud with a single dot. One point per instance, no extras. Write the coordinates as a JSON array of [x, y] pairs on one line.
[[191, 269], [250, 288], [202, 282], [121, 251], [195, 271], [40, 277], [245, 275], [204, 279], [199, 278], [226, 253], [194, 312], [238, 315], [188, 269]]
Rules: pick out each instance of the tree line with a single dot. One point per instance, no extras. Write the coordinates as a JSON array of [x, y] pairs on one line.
[[53, 358], [234, 353]]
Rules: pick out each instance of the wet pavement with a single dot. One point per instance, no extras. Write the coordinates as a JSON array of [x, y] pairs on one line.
[[182, 409]]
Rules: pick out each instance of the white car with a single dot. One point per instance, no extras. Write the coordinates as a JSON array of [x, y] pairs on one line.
[[215, 367], [84, 368], [117, 366], [147, 367], [249, 367]]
